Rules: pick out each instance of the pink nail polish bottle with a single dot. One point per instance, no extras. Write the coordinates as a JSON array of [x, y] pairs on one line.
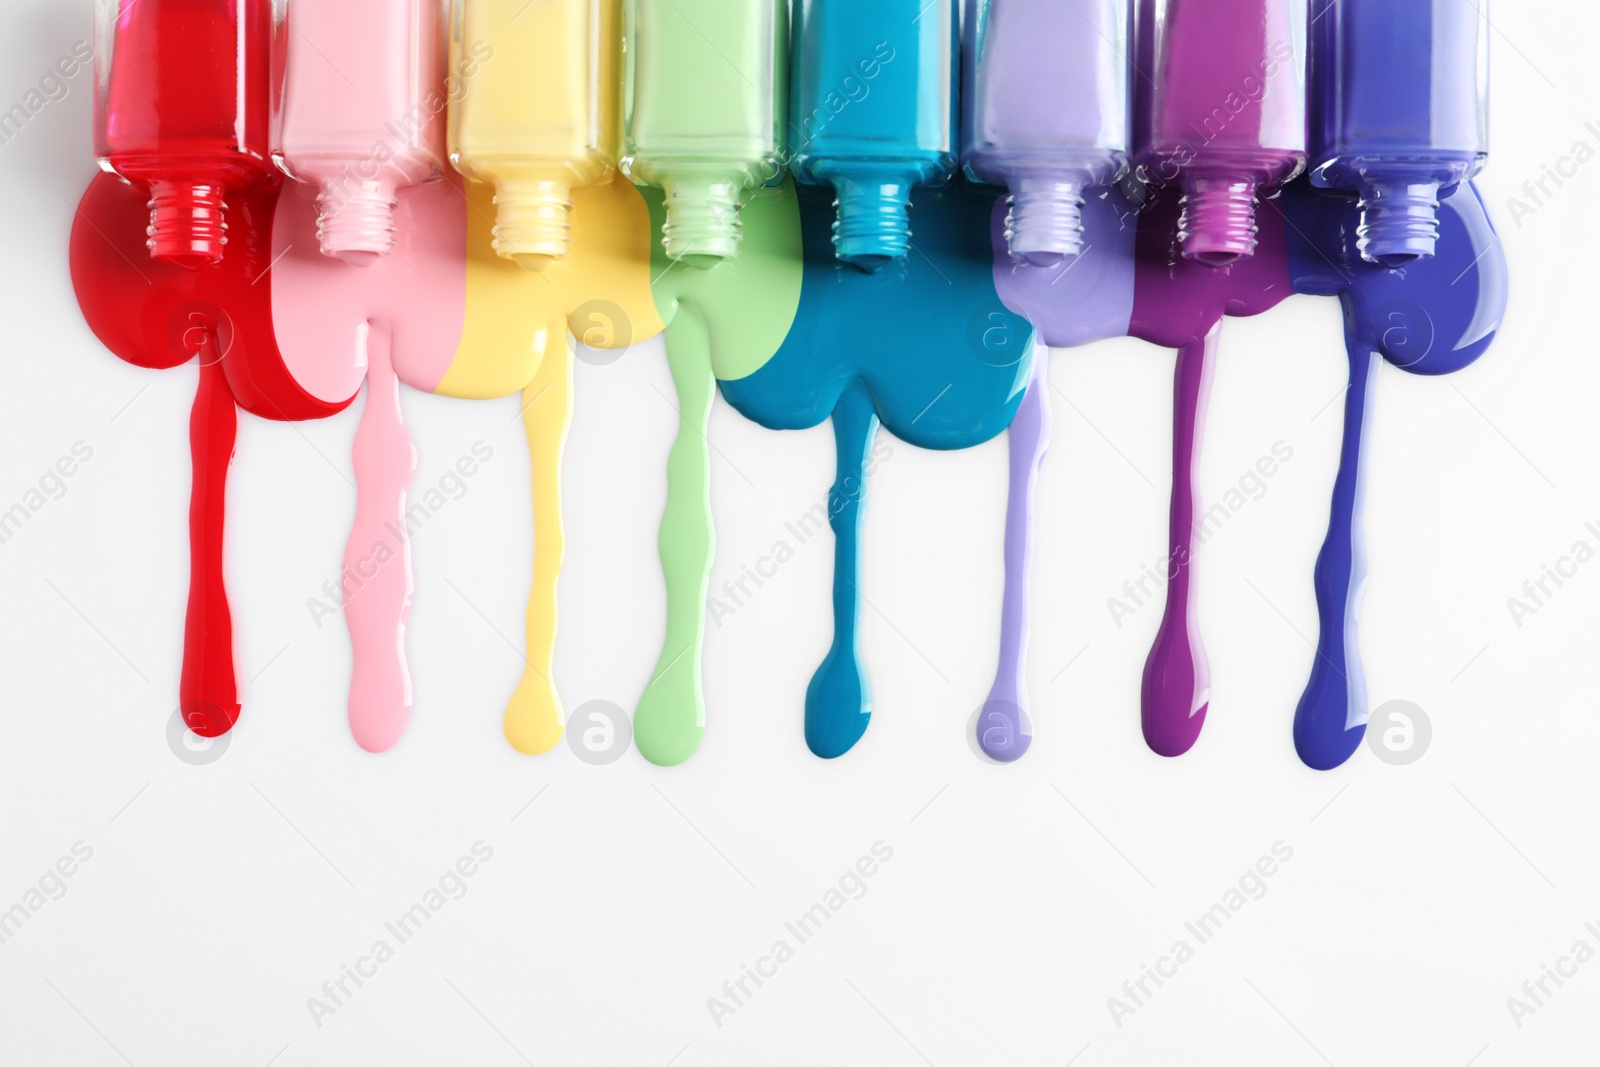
[[363, 113]]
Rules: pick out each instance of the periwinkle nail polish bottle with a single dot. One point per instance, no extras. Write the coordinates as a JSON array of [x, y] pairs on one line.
[[1399, 113], [536, 112], [1219, 112], [362, 114], [1045, 113], [872, 114], [182, 110], [704, 99]]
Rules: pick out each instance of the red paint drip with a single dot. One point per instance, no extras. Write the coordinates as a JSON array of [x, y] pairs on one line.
[[208, 694], [158, 315]]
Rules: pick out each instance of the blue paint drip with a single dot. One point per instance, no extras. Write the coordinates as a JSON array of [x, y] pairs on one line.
[[1324, 733], [839, 699], [1434, 316]]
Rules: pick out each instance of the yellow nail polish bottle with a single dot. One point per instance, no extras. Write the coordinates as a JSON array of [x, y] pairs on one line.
[[534, 112]]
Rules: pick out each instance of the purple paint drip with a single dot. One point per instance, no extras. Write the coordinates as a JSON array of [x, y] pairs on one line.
[[1084, 299], [1179, 303], [1133, 279], [1004, 729]]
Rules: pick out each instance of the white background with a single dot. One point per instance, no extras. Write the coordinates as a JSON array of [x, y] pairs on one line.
[[1018, 900]]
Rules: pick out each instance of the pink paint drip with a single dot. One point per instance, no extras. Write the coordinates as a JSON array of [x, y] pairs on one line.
[[402, 317], [377, 559]]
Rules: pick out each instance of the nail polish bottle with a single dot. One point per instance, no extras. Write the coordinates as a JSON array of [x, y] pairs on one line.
[[362, 114], [1046, 113], [1399, 113], [872, 114], [182, 112], [536, 112], [1219, 112], [705, 92]]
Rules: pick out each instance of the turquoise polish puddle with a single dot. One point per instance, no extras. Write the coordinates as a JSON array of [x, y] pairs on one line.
[[1433, 316], [925, 348]]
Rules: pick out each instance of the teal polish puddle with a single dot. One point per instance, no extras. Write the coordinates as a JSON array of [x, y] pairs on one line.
[[924, 347]]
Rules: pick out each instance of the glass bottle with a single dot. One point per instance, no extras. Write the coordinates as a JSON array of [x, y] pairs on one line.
[[705, 90], [182, 112], [1399, 113]]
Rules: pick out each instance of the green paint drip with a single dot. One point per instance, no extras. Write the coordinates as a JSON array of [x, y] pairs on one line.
[[671, 716], [725, 323]]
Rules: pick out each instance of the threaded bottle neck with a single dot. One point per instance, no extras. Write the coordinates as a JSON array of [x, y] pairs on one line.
[[188, 224], [703, 225], [357, 226], [1399, 222], [873, 227], [1218, 220], [1045, 223], [533, 221]]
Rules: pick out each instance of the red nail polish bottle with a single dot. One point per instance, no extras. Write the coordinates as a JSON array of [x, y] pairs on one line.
[[182, 111]]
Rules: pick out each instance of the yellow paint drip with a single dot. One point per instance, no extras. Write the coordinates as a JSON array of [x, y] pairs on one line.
[[515, 340]]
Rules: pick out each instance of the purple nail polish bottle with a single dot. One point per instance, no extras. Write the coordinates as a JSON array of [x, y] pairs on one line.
[[1219, 112], [1398, 113], [1045, 113]]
